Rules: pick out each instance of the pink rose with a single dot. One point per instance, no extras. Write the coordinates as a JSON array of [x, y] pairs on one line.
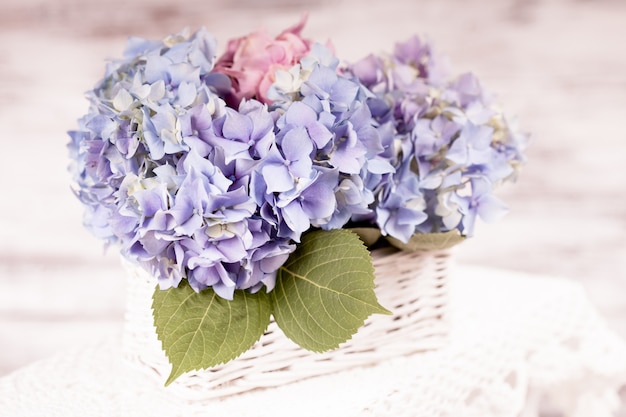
[[251, 61]]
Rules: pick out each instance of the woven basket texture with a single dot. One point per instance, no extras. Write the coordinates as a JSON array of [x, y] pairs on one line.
[[412, 285]]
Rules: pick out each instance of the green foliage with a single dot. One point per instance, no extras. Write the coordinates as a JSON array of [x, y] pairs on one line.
[[323, 294], [429, 241], [202, 330], [369, 235], [325, 290]]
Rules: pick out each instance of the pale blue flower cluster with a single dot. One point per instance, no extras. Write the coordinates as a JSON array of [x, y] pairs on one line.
[[345, 161], [194, 189], [452, 145]]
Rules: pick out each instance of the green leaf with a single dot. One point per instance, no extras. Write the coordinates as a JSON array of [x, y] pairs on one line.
[[369, 235], [325, 290], [429, 241], [202, 330]]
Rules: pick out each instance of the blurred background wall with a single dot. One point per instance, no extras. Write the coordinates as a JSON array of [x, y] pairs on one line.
[[560, 65]]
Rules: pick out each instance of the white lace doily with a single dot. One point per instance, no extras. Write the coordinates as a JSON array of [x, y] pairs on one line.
[[518, 343]]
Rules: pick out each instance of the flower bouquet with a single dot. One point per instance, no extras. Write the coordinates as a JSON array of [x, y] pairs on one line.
[[270, 185]]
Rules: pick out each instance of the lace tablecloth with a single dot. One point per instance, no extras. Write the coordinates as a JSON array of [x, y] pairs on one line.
[[519, 344]]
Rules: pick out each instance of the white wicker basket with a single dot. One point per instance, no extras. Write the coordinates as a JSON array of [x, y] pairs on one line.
[[413, 285]]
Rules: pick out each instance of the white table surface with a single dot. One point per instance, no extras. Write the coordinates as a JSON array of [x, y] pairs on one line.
[[519, 344]]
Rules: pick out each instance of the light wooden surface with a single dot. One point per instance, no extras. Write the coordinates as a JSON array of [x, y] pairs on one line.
[[560, 65]]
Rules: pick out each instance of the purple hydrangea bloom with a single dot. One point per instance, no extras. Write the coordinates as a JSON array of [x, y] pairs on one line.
[[119, 136], [401, 205], [452, 145], [164, 168], [193, 189], [344, 142]]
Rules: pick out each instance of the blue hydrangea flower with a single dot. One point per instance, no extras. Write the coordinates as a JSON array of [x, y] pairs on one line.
[[344, 142], [163, 168], [452, 145], [193, 189]]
